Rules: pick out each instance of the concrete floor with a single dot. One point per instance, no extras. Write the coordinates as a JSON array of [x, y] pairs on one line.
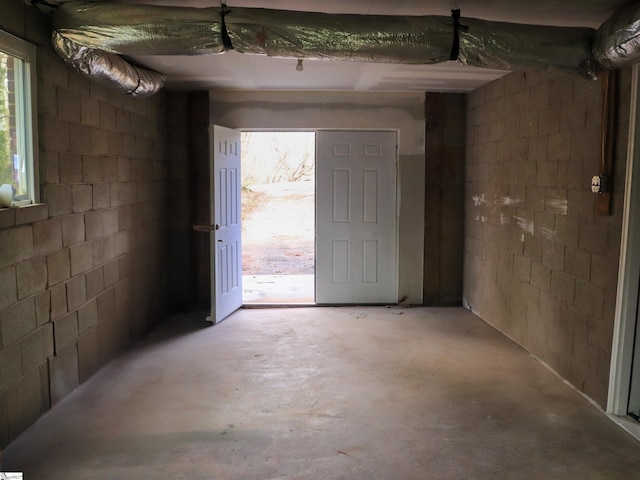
[[278, 289], [325, 393]]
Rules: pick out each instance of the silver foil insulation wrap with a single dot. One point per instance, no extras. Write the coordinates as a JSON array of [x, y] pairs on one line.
[[134, 29], [617, 41], [140, 29], [154, 30], [508, 46], [108, 68]]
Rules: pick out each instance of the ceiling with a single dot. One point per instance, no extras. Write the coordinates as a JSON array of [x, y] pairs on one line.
[[233, 70]]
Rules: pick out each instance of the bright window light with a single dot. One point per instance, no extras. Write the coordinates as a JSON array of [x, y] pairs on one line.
[[18, 164]]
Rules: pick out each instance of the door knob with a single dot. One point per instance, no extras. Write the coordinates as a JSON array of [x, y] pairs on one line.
[[215, 227]]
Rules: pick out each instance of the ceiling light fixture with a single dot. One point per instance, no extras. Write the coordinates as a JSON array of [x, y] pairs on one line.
[[299, 66]]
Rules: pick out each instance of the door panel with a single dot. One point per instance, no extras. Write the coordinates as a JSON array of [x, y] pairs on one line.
[[356, 258], [226, 244]]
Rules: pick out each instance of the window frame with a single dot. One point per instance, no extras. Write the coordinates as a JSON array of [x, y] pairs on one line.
[[25, 109]]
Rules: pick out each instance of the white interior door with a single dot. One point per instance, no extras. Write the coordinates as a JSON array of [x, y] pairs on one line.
[[226, 245], [356, 258]]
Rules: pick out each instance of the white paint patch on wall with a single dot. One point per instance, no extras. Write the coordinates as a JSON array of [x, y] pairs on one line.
[[508, 201], [525, 224], [548, 233], [559, 206], [479, 200], [493, 207]]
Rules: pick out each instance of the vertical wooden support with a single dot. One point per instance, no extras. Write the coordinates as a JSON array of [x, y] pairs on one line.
[[603, 199]]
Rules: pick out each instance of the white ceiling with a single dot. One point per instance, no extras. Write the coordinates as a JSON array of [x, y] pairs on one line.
[[233, 70]]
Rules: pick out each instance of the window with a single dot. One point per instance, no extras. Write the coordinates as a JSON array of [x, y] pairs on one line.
[[18, 166]]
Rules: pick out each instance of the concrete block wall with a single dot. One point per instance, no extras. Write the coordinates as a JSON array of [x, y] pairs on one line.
[[82, 274], [179, 218], [444, 198], [199, 156], [189, 216], [540, 264]]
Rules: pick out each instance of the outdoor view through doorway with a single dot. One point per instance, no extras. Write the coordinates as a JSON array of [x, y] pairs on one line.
[[278, 217]]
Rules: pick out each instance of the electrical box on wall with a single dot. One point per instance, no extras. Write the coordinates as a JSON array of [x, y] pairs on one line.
[[600, 184]]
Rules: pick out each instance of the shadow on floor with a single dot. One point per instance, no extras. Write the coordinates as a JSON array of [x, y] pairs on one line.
[[176, 326]]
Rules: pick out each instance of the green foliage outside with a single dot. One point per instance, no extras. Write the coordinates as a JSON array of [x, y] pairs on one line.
[[6, 163]]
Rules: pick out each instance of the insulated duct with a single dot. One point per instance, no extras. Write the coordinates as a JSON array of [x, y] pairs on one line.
[[140, 29], [154, 30], [508, 46], [108, 68], [134, 29], [617, 41]]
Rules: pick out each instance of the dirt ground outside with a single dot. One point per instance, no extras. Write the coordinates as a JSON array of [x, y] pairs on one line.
[[278, 229]]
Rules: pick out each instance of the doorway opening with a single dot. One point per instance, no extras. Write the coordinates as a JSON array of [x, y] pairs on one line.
[[278, 217]]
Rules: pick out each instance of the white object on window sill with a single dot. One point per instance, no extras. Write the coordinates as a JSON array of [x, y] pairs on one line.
[[6, 195]]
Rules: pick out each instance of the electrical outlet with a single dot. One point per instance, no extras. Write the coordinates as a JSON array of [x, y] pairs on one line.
[[600, 184]]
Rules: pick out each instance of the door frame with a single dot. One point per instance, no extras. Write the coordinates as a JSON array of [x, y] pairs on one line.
[[626, 312], [286, 130], [397, 168]]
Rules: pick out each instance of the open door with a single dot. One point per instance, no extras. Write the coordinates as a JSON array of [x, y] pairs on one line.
[[226, 246], [356, 258]]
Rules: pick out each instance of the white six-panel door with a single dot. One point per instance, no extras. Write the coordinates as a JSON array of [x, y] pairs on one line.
[[356, 258], [226, 246]]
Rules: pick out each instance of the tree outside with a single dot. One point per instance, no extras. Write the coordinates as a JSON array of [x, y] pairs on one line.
[[278, 202], [274, 157]]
